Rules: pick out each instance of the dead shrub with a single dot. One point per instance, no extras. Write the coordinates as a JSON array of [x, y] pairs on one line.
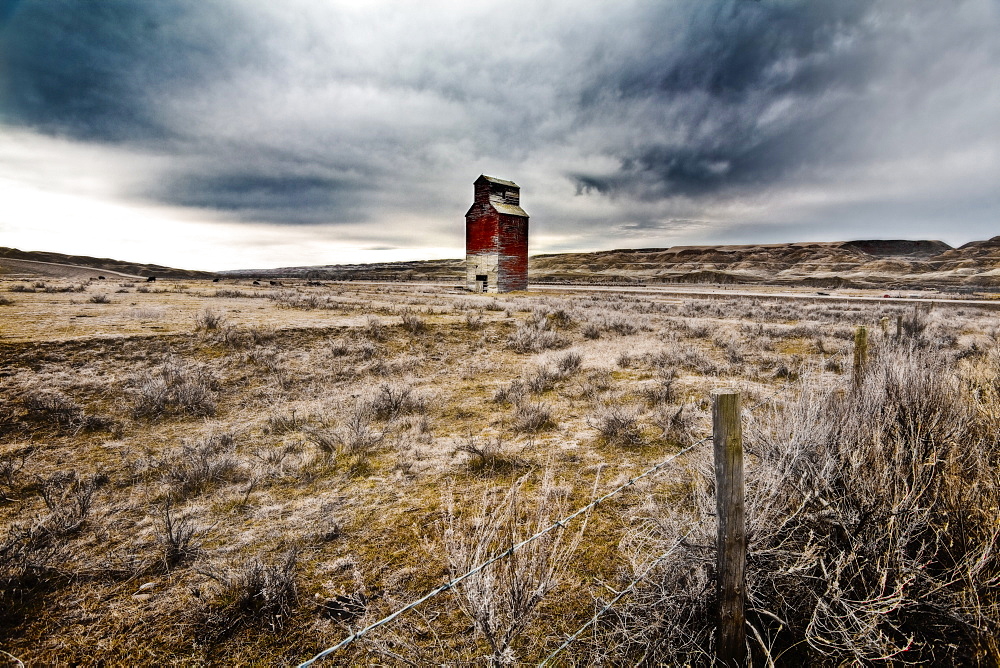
[[68, 499], [374, 329], [99, 298], [569, 363], [510, 393], [532, 416], [175, 387], [501, 600], [392, 400], [488, 454], [542, 379], [534, 336], [663, 390], [474, 321], [355, 436], [177, 538], [413, 323], [620, 326], [197, 466], [253, 593], [52, 404], [209, 320], [618, 424]]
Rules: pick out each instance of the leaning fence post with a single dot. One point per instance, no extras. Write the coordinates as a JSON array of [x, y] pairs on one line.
[[860, 353], [731, 543]]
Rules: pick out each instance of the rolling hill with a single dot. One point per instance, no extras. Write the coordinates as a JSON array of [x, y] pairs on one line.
[[44, 264]]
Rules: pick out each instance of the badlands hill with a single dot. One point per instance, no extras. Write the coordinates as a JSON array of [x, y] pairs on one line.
[[866, 263], [16, 263]]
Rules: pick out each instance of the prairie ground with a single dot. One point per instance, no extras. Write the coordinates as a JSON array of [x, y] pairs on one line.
[[196, 472]]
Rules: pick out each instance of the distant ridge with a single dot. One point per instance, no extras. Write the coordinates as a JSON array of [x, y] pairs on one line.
[[99, 263], [882, 263]]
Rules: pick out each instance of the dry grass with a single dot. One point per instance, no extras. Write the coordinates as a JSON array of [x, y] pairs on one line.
[[198, 473]]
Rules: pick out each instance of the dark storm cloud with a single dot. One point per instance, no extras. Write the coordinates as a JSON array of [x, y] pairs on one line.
[[96, 70], [278, 199], [716, 84], [655, 114]]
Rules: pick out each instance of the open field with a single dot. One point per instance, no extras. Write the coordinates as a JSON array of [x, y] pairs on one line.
[[196, 472]]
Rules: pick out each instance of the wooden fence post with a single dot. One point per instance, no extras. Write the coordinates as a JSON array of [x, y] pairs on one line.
[[860, 353], [899, 326], [731, 543]]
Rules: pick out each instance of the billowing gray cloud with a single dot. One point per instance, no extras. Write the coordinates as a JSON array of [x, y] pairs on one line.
[[649, 122]]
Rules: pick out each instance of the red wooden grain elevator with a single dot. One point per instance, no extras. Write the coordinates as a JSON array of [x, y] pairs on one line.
[[496, 238]]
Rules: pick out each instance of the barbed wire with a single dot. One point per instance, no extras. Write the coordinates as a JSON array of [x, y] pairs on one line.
[[642, 576], [497, 557]]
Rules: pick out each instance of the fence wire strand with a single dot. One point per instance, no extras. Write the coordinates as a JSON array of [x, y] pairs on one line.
[[642, 576], [502, 555]]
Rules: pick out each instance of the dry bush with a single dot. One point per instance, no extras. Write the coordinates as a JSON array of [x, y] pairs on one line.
[[374, 329], [489, 454], [569, 363], [99, 298], [532, 416], [595, 383], [668, 618], [591, 331], [391, 400], [242, 336], [51, 404], [618, 424], [501, 599], [676, 424], [253, 593], [176, 387], [413, 323], [356, 436], [664, 390], [209, 320], [12, 464], [511, 393], [474, 321], [535, 335], [621, 326], [6, 301], [178, 538], [541, 379], [227, 293], [199, 465], [68, 499]]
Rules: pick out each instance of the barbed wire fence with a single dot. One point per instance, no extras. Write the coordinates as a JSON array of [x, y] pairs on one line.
[[722, 434]]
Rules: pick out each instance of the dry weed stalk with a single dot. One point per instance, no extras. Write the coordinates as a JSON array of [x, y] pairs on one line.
[[502, 598]]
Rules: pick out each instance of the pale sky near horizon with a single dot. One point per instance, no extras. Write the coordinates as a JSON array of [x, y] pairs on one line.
[[226, 134]]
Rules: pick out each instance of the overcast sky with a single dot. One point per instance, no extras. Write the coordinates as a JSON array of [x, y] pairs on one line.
[[222, 134]]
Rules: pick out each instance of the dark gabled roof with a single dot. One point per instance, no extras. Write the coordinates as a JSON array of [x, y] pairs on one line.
[[493, 179]]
